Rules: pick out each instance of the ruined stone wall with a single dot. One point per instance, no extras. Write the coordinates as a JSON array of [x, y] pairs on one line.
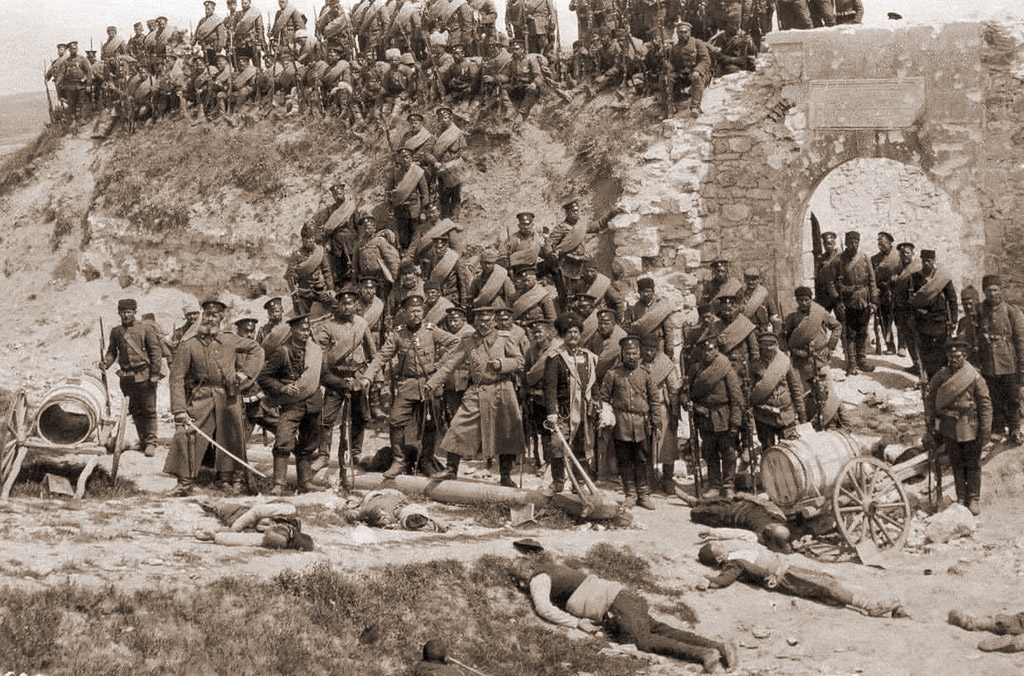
[[738, 181]]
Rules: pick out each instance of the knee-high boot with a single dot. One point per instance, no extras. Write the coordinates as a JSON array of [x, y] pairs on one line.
[[505, 463]]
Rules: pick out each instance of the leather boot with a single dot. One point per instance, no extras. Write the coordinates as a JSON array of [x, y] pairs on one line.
[[428, 465], [451, 472], [303, 472], [280, 475], [397, 464], [641, 474], [505, 463], [668, 484], [557, 476], [628, 486]]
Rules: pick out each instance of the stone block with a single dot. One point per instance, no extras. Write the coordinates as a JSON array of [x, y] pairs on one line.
[[623, 221], [688, 257], [735, 212], [740, 144], [627, 266], [638, 241]]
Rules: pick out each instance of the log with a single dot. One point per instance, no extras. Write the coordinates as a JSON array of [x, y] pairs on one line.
[[456, 492]]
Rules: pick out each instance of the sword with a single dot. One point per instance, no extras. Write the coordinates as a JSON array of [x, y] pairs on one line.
[[231, 455]]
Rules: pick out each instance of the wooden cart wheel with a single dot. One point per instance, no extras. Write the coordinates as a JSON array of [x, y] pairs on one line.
[[13, 433], [870, 503], [117, 441]]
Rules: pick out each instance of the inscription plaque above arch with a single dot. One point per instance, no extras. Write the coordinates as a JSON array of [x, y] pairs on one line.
[[891, 103]]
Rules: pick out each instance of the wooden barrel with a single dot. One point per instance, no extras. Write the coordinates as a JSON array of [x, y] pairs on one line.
[[70, 410], [796, 470]]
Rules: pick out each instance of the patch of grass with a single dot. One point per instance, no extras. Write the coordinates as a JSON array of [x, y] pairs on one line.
[[621, 564], [21, 165], [99, 486], [319, 621]]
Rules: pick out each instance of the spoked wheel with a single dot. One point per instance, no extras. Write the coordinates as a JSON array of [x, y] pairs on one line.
[[869, 503], [13, 433], [116, 443]]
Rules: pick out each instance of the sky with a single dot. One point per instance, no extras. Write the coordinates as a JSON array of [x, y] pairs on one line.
[[30, 31]]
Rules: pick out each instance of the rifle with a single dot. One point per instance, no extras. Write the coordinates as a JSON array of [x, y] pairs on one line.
[[934, 461], [698, 478], [878, 331], [46, 84], [816, 246], [103, 372]]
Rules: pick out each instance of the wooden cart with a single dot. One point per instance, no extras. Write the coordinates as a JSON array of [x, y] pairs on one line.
[[829, 473], [71, 420]]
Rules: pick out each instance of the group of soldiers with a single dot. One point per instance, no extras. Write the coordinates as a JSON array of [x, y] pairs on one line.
[[380, 58], [913, 305]]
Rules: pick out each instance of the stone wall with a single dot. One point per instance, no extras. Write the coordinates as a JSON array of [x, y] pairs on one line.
[[739, 180]]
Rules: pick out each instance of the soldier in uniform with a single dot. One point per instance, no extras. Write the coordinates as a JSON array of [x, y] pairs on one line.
[[458, 380], [809, 335], [449, 165], [1001, 351], [756, 303], [718, 407], [886, 262], [348, 344], [75, 79], [533, 23], [291, 379], [288, 20], [605, 341], [494, 282], [376, 254], [137, 42], [525, 239], [849, 11], [274, 324], [652, 315], [526, 81], [334, 222], [958, 415], [419, 348], [138, 351], [968, 329], [210, 33], [408, 195], [570, 374], [309, 276], [853, 284], [249, 35], [734, 50], [666, 377], [489, 418], [689, 66], [777, 395], [719, 276], [542, 343], [933, 304], [530, 293], [794, 15], [444, 266], [636, 402], [823, 288], [209, 372], [901, 310]]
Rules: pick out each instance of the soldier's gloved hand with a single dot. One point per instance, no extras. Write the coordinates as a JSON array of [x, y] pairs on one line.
[[182, 418], [101, 365], [428, 391], [154, 377], [551, 422]]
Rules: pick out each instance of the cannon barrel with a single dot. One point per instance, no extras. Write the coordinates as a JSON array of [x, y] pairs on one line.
[[71, 410]]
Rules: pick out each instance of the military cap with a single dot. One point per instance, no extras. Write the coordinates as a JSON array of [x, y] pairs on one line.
[[73, 43], [223, 57], [570, 203], [752, 273], [457, 310], [650, 340], [888, 237], [905, 245], [334, 48], [295, 317], [970, 293], [431, 285], [630, 339], [246, 320], [392, 53], [367, 280], [90, 51], [365, 215], [708, 340], [348, 289], [928, 253], [720, 263], [525, 216], [65, 45], [893, 16], [989, 280], [767, 337], [566, 321], [852, 235], [408, 265], [484, 309], [127, 304], [414, 296], [214, 303], [731, 289], [209, 2], [684, 24], [413, 116], [138, 24], [488, 257], [444, 109], [803, 292], [528, 545], [605, 312], [112, 28], [161, 18], [828, 235], [457, 45], [959, 344], [644, 283], [518, 43], [403, 151], [583, 295], [276, 300], [441, 229]]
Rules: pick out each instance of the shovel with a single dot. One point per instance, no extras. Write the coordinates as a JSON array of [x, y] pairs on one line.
[[594, 506]]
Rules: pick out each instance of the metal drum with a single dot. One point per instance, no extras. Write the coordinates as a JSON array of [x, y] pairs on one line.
[[796, 470], [70, 411]]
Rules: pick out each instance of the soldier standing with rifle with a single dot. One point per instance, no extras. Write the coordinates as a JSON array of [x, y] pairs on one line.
[[717, 401], [852, 281], [933, 303], [1001, 352]]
